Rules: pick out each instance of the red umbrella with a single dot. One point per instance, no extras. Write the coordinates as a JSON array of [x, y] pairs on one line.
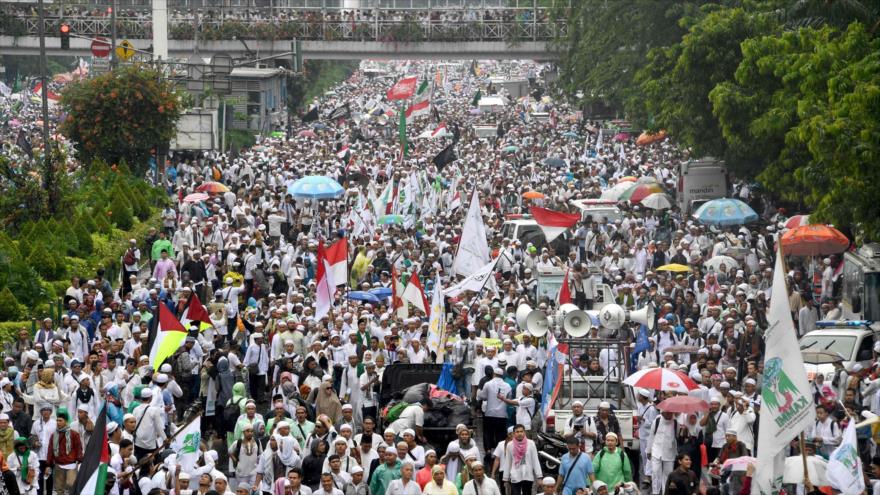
[[621, 136], [661, 379], [683, 404], [813, 240], [797, 221]]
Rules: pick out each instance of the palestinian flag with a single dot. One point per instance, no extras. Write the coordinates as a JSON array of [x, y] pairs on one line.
[[401, 134], [195, 311], [422, 93], [170, 334], [477, 98], [91, 477]]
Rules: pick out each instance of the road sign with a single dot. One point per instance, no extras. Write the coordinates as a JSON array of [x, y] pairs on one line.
[[100, 48], [125, 50]]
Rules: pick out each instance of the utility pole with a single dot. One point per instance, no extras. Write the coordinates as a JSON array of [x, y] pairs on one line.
[[112, 34], [48, 170]]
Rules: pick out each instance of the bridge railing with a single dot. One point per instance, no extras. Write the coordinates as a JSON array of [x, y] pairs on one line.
[[508, 30]]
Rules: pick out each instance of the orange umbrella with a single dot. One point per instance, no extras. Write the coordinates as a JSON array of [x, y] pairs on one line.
[[647, 138], [533, 195], [813, 240]]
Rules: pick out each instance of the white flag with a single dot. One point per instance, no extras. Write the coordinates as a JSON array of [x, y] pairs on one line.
[[473, 248], [786, 400], [475, 282], [844, 466], [435, 323], [186, 446]]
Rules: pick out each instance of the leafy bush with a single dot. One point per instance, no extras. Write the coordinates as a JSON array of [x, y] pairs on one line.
[[10, 309], [120, 212], [44, 263], [83, 238]]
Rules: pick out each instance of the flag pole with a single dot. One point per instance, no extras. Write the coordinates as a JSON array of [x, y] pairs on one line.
[[156, 452], [803, 456]]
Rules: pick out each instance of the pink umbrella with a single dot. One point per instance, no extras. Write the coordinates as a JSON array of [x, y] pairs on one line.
[[621, 136], [196, 198], [661, 379], [739, 463], [307, 133], [683, 404], [797, 221]]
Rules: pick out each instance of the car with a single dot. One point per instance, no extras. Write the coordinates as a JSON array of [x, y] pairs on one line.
[[526, 230], [598, 209], [853, 340]]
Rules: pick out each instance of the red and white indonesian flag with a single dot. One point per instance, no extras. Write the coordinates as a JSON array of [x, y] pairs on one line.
[[438, 132], [553, 223], [455, 203], [324, 288], [415, 295], [403, 90], [661, 379], [337, 259], [341, 153], [417, 109]]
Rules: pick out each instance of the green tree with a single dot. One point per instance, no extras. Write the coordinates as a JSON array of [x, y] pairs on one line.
[[605, 43], [10, 309], [83, 239], [120, 212], [805, 106], [44, 263], [121, 115], [675, 85]]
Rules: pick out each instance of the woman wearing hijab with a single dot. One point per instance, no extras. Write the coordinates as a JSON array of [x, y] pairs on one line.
[[439, 485], [311, 374], [221, 389], [327, 402], [45, 393], [313, 463], [115, 412], [24, 463]]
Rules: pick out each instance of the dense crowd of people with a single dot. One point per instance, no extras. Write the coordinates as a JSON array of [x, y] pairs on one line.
[[290, 403]]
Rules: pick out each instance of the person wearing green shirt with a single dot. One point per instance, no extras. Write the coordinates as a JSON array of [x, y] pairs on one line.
[[250, 417], [161, 244], [385, 473], [302, 427], [611, 464]]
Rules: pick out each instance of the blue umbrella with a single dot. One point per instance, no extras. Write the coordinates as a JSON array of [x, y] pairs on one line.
[[555, 162], [359, 295], [390, 219], [725, 212], [315, 187], [381, 291], [319, 126], [572, 135]]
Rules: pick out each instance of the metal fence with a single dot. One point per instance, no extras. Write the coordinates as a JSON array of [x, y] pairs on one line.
[[508, 30], [299, 4]]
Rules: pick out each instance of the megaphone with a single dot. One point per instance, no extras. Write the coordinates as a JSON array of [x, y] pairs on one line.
[[533, 321], [613, 316], [575, 322]]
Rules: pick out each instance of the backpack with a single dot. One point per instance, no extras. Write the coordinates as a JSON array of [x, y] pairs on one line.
[[598, 460], [395, 411], [231, 412], [129, 258]]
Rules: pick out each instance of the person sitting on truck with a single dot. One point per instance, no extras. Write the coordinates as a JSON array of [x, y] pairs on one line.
[[606, 422]]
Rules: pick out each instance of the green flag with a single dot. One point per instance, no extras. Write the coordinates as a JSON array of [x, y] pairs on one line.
[[401, 130], [477, 97]]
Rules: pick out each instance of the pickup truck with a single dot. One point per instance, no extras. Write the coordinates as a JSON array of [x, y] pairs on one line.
[[398, 377]]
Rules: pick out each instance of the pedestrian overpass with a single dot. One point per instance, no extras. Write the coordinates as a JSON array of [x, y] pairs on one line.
[[506, 33]]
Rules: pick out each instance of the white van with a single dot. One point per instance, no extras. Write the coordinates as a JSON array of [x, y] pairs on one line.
[[852, 339], [598, 209]]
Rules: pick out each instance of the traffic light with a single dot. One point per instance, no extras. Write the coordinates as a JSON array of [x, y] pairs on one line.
[[64, 33]]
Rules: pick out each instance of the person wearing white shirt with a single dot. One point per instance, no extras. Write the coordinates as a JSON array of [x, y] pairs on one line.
[[647, 413], [480, 484], [741, 419], [521, 464], [718, 421], [581, 426], [256, 359], [525, 406], [662, 450], [405, 485], [495, 414], [26, 477], [825, 431], [150, 426]]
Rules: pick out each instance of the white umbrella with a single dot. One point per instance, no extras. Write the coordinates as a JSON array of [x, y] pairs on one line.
[[657, 201], [661, 379], [794, 470], [715, 263], [616, 191]]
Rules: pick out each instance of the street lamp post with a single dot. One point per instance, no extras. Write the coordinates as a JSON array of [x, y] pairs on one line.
[[48, 172]]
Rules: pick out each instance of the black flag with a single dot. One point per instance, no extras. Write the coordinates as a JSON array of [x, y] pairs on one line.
[[445, 157], [24, 144], [342, 112], [311, 116]]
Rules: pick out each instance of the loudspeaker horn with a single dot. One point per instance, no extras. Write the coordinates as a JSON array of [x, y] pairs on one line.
[[644, 316], [575, 322], [533, 321]]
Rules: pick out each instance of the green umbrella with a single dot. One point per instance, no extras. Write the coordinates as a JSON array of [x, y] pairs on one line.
[[510, 149], [277, 134]]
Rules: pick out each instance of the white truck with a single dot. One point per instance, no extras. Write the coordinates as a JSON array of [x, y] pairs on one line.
[[700, 181], [860, 298], [853, 340]]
